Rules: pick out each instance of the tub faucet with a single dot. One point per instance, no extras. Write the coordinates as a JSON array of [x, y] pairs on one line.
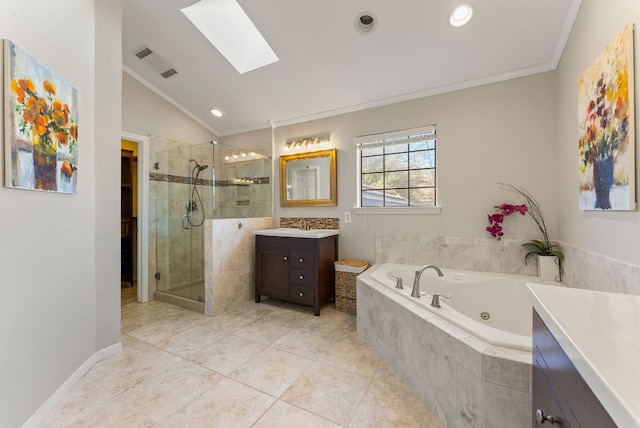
[[435, 301], [416, 280], [398, 281]]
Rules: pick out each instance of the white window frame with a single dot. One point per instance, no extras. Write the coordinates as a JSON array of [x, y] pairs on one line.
[[388, 138]]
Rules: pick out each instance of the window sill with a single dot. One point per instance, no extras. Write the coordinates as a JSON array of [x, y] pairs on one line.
[[397, 210]]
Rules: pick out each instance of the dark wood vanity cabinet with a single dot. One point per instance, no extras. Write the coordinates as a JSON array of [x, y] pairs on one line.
[[298, 270], [560, 394]]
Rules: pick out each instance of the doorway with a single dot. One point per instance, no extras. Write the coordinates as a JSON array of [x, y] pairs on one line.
[[138, 228], [128, 221]]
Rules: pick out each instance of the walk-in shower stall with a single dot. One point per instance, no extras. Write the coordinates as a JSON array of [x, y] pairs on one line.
[[194, 184]]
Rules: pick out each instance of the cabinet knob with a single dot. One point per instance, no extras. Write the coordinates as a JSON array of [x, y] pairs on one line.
[[285, 258], [301, 294], [301, 260], [301, 276], [541, 417]]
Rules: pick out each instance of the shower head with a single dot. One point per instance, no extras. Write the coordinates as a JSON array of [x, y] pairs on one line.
[[198, 166]]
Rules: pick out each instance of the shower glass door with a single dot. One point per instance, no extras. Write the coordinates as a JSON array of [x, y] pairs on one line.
[[184, 200]]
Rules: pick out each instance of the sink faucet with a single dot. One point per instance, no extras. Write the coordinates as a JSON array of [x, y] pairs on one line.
[[303, 224], [416, 280]]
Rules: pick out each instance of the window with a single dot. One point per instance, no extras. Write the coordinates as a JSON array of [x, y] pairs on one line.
[[397, 169]]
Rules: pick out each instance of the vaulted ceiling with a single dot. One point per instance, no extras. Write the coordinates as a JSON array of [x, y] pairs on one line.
[[327, 67]]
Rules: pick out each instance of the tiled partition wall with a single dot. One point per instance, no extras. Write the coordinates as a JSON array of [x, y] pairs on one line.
[[230, 255], [582, 269]]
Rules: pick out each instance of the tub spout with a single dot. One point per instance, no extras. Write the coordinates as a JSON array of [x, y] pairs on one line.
[[416, 280]]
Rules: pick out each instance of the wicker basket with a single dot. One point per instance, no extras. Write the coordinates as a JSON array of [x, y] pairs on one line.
[[346, 273]]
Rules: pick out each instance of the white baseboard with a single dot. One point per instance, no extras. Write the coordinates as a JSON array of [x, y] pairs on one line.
[[57, 396]]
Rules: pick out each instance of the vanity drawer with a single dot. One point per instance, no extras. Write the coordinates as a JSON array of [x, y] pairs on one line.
[[300, 259], [301, 294], [302, 277]]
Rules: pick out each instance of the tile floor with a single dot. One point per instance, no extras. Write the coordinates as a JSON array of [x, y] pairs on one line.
[[259, 365]]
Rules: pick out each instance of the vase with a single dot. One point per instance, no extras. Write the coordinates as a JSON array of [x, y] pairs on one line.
[[602, 181], [45, 159], [548, 268]]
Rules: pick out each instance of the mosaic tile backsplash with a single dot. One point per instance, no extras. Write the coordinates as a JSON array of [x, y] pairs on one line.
[[314, 223]]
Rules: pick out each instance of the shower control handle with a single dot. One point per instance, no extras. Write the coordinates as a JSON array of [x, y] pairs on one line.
[[185, 221]]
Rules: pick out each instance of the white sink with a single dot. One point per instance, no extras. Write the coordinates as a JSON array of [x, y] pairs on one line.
[[297, 233]]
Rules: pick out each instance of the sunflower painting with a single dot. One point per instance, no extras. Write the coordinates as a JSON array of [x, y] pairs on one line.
[[41, 126], [606, 128]]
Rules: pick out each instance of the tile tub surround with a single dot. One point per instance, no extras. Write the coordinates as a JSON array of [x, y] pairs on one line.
[[593, 271], [254, 366], [582, 268], [465, 381], [456, 252], [229, 254]]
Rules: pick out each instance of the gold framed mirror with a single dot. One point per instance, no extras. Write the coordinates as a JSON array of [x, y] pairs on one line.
[[309, 179]]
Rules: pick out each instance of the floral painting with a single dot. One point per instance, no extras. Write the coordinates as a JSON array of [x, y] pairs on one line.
[[41, 125], [607, 136]]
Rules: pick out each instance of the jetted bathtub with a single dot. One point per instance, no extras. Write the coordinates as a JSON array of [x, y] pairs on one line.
[[493, 307], [470, 359]]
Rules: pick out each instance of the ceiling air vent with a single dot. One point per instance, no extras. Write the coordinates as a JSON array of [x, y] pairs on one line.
[[155, 62]]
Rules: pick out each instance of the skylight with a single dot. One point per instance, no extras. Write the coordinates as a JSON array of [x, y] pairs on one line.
[[225, 24]]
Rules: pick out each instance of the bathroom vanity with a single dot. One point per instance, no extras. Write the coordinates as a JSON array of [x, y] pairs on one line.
[[296, 265], [586, 348]]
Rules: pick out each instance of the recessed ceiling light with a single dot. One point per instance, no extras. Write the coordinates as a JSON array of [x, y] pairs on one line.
[[217, 112], [226, 25], [461, 15]]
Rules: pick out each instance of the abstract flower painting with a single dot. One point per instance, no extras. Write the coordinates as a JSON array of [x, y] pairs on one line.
[[41, 125], [606, 117]]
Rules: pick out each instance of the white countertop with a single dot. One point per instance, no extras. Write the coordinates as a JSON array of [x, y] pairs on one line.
[[289, 232], [600, 332]]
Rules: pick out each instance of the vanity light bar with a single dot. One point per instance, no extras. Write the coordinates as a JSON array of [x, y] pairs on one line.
[[306, 142]]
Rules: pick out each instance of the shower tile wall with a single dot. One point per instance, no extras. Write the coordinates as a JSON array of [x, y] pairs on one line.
[[235, 199]]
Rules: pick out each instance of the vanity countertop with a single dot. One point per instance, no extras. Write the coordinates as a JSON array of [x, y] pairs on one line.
[[290, 232], [600, 332]]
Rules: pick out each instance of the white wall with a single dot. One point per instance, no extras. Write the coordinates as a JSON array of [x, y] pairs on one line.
[[108, 66], [50, 321], [613, 234], [504, 132], [146, 113]]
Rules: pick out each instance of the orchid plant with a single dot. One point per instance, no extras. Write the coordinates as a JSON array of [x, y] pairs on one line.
[[542, 247]]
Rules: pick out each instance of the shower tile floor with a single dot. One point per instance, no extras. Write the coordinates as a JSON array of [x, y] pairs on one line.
[[194, 291], [259, 365]]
